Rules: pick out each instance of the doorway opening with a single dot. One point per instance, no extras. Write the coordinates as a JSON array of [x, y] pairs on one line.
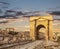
[[40, 32]]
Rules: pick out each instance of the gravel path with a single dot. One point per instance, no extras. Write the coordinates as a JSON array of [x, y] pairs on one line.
[[38, 44]]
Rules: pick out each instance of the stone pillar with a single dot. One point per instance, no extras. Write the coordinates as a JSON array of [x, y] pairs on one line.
[[51, 30], [32, 30]]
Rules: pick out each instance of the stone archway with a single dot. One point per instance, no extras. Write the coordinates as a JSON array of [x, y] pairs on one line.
[[38, 22], [40, 32]]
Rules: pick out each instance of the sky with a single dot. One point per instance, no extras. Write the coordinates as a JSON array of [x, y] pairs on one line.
[[29, 5], [33, 5]]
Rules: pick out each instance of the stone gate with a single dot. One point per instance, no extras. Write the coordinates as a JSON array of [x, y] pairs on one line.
[[38, 22]]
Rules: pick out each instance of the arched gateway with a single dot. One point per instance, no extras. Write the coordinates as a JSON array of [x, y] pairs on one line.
[[41, 27], [40, 32]]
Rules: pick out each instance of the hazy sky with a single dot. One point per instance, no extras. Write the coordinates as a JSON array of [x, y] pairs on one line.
[[40, 5], [30, 5]]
